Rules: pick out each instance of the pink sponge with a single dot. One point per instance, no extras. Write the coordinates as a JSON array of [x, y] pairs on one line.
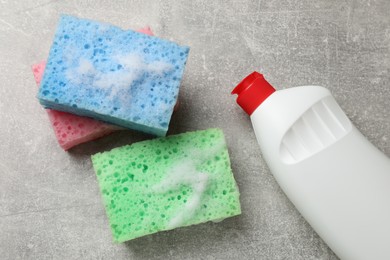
[[146, 30], [70, 129]]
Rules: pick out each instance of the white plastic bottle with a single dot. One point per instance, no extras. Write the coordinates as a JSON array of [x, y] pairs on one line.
[[338, 180]]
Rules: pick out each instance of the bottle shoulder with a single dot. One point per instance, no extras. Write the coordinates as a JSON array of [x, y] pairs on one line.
[[285, 106], [300, 122]]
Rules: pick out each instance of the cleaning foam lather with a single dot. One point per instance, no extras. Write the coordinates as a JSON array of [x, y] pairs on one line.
[[122, 77], [166, 183], [337, 179], [69, 129]]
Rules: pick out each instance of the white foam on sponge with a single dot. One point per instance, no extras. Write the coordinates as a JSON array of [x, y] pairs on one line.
[[85, 67], [83, 74], [131, 67], [159, 67], [185, 172]]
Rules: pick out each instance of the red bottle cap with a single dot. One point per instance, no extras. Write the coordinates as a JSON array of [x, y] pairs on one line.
[[252, 91]]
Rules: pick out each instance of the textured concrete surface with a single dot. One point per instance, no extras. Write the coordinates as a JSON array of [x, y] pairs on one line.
[[50, 206]]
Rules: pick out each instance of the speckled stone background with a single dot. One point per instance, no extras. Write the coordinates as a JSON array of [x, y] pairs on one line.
[[50, 206]]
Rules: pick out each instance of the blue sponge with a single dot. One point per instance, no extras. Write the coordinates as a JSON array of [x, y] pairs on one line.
[[123, 77]]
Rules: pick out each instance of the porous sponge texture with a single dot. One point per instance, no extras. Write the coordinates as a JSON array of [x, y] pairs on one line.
[[70, 129], [166, 183], [123, 77]]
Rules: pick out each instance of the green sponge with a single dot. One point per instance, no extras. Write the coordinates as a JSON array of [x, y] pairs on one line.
[[165, 183]]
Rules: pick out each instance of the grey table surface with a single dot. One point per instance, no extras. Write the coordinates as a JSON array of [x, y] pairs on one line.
[[50, 206]]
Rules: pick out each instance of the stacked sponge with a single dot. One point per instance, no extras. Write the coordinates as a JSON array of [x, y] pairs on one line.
[[132, 80], [70, 129], [122, 77], [166, 183]]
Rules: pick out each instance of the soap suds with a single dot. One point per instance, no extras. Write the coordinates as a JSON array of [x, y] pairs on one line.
[[85, 67], [70, 51], [135, 62], [131, 67], [185, 172], [159, 67], [83, 74]]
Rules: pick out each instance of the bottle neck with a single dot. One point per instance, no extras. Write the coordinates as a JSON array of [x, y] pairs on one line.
[[252, 91]]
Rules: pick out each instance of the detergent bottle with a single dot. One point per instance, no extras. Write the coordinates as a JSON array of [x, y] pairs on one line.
[[333, 175]]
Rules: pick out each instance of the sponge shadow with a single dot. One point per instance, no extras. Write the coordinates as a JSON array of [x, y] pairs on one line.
[[109, 142], [187, 241], [178, 124], [184, 116]]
